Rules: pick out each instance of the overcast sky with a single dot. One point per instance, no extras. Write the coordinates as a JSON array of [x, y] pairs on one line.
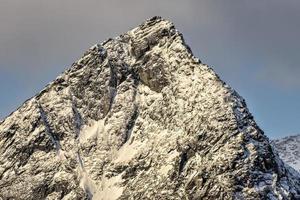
[[253, 45]]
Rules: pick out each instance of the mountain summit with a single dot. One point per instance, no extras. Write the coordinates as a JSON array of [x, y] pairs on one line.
[[139, 117]]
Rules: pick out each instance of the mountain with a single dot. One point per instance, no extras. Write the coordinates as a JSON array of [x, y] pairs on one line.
[[289, 150], [139, 117]]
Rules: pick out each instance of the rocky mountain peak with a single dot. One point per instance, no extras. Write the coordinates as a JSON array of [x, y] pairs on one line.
[[139, 117]]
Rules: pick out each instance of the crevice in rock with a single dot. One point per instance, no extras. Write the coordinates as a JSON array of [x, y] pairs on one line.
[[130, 124], [8, 145], [113, 83], [80, 162], [135, 114], [78, 122], [182, 162], [53, 137]]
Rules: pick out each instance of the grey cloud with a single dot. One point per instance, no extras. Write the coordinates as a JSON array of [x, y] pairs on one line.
[[283, 75]]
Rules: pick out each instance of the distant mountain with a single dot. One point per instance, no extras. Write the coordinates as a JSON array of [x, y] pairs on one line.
[[289, 150], [139, 117]]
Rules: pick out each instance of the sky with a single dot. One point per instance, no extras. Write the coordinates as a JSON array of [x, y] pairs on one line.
[[253, 45]]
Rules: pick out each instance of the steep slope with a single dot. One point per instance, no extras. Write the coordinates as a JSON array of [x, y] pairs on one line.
[[289, 150], [138, 117]]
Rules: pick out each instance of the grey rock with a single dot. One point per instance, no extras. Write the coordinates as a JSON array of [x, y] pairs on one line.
[[289, 150], [139, 117]]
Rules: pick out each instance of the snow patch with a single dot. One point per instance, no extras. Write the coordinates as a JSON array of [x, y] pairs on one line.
[[91, 131], [126, 153], [111, 189], [87, 184]]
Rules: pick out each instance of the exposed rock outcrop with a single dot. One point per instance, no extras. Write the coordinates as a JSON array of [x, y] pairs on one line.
[[289, 150]]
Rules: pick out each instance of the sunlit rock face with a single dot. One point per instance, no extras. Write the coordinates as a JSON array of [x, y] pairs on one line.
[[139, 117]]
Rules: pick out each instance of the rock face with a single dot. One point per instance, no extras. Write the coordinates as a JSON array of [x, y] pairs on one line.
[[289, 150], [139, 117]]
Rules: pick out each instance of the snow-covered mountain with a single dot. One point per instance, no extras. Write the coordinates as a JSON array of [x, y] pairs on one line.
[[139, 117], [289, 150]]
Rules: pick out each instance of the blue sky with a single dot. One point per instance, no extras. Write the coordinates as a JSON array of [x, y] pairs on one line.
[[253, 45]]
